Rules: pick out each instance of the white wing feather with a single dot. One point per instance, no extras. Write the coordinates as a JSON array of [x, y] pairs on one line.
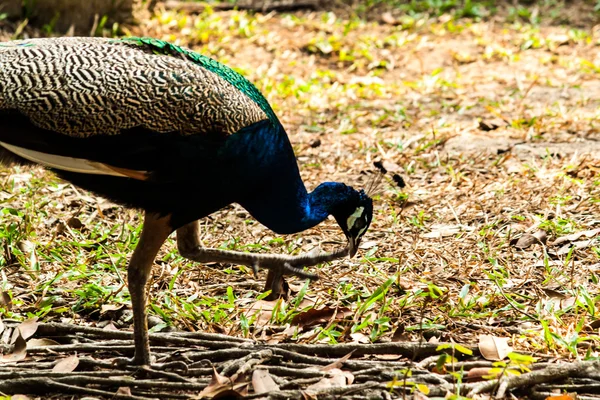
[[72, 164]]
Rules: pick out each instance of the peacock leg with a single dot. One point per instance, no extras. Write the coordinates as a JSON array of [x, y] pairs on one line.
[[154, 233], [190, 247]]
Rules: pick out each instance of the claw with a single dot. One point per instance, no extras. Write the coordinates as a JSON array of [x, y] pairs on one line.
[[291, 270]]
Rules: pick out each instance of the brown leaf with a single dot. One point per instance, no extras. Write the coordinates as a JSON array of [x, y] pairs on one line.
[[74, 223], [337, 363], [491, 124], [358, 337], [217, 386], [43, 342], [27, 328], [388, 18], [68, 364], [337, 378], [5, 300], [325, 314], [262, 310], [19, 351], [262, 381], [126, 390], [580, 244], [494, 348], [528, 239], [478, 374], [575, 236]]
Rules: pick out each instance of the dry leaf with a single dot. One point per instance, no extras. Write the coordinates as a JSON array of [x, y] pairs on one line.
[[110, 307], [388, 357], [582, 244], [491, 124], [27, 328], [337, 363], [494, 348], [444, 230], [68, 364], [262, 310], [262, 382], [528, 239], [566, 396], [126, 390], [43, 342], [19, 397], [19, 351], [337, 378], [222, 387], [575, 236], [358, 337], [314, 316], [388, 18], [478, 374], [5, 300]]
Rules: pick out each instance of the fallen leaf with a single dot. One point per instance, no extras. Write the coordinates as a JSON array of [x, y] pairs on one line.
[[262, 310], [494, 348], [19, 351], [68, 364], [575, 236], [479, 374], [528, 239], [5, 300], [563, 397], [105, 308], [28, 328], [222, 387], [444, 230], [358, 337], [262, 382], [43, 342], [388, 18], [337, 363], [388, 357], [126, 390], [491, 124], [581, 244], [110, 327], [337, 378], [325, 314]]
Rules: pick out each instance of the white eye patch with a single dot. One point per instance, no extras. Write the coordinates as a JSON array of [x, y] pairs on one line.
[[354, 216]]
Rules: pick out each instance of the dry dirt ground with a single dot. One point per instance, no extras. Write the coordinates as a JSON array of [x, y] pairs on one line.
[[494, 127]]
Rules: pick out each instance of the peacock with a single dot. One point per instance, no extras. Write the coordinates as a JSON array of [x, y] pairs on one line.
[[158, 127]]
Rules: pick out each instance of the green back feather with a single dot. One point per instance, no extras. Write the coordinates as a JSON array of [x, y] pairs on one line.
[[228, 74]]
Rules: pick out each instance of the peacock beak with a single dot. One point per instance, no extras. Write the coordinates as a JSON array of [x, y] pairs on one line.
[[353, 245]]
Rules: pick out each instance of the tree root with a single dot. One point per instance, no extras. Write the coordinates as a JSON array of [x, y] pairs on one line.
[[191, 363]]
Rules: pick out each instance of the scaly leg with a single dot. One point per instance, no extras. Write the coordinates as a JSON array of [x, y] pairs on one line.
[[154, 233], [190, 247]]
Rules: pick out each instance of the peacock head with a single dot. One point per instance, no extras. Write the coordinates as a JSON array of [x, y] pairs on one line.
[[354, 217]]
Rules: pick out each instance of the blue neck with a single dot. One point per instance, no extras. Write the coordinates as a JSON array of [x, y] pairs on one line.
[[295, 210]]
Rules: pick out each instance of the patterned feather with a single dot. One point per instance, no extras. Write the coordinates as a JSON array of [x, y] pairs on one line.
[[82, 87]]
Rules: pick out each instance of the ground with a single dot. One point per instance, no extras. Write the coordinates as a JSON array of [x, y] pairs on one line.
[[491, 121]]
